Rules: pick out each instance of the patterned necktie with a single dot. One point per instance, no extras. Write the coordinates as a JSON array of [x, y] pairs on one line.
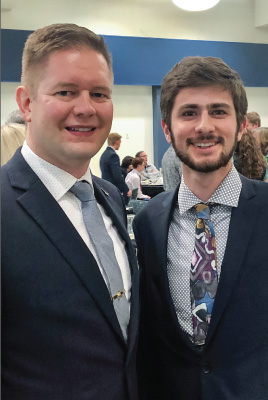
[[203, 276], [104, 248]]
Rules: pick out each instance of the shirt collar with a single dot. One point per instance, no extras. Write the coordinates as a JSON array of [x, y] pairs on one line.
[[57, 181], [227, 193], [134, 171]]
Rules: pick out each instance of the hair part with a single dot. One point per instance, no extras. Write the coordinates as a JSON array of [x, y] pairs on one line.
[[57, 37], [201, 72], [112, 138]]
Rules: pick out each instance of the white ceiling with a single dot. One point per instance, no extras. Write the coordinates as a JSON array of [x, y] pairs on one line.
[[230, 20]]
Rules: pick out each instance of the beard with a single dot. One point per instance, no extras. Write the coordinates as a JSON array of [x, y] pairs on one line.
[[204, 166]]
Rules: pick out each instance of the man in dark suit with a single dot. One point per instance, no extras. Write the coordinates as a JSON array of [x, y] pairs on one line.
[[110, 167], [204, 325], [64, 335]]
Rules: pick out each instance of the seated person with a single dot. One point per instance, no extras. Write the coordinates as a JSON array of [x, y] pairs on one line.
[[133, 178], [150, 171], [126, 165]]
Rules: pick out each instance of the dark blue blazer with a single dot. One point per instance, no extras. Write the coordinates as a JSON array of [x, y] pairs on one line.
[[60, 336], [234, 362], [111, 170]]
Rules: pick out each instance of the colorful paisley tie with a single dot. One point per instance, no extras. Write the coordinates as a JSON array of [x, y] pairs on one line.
[[203, 276]]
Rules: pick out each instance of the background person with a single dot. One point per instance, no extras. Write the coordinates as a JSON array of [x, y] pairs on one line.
[[202, 250], [110, 165], [248, 158], [253, 120], [171, 169], [65, 335], [15, 118], [12, 137], [126, 165], [150, 172], [261, 137], [133, 178]]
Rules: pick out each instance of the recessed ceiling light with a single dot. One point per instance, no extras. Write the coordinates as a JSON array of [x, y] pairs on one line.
[[195, 5]]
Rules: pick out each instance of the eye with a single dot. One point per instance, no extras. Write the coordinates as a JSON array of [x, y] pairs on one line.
[[64, 93], [99, 95], [188, 113], [218, 112]]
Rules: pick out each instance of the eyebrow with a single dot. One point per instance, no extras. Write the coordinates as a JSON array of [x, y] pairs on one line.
[[213, 105], [74, 85]]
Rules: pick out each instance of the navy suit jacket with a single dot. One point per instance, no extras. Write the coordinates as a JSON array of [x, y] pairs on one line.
[[111, 170], [234, 362], [61, 339]]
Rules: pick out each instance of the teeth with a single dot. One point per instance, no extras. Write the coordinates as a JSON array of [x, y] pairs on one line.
[[81, 129], [205, 144]]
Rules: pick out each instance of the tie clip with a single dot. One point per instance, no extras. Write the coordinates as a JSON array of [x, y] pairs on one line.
[[118, 294], [104, 191]]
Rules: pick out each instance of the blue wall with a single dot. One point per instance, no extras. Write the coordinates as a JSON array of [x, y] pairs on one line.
[[145, 61]]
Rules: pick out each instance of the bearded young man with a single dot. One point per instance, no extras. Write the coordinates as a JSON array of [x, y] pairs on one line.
[[202, 250]]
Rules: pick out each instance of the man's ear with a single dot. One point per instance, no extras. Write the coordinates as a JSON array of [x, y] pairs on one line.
[[166, 131], [242, 129], [23, 98]]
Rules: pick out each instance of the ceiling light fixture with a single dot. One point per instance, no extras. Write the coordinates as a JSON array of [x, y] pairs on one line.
[[195, 5]]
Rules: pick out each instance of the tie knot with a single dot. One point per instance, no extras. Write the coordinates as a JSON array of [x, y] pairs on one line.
[[203, 210], [83, 191]]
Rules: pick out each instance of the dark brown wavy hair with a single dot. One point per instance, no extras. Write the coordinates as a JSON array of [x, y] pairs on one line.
[[251, 160]]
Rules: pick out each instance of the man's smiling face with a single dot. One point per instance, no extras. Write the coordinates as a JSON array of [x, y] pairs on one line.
[[204, 128], [70, 114]]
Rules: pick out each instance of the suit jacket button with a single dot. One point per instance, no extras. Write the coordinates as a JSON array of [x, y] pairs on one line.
[[206, 369]]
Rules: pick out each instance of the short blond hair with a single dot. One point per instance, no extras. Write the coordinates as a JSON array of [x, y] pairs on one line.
[[12, 137], [57, 37], [112, 138]]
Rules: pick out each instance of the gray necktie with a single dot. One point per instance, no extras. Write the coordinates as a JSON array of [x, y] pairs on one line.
[[104, 248]]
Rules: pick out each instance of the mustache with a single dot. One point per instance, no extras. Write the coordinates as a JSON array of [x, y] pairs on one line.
[[211, 138]]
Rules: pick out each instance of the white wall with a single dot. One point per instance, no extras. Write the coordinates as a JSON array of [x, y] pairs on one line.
[[133, 116], [230, 20]]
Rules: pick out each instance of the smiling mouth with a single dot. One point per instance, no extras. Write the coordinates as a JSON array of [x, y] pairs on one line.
[[202, 145], [84, 129], [204, 142]]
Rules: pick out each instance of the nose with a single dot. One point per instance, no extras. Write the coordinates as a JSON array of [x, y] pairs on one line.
[[84, 105], [205, 124]]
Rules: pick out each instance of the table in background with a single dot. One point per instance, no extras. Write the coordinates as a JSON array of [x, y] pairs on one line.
[[152, 190]]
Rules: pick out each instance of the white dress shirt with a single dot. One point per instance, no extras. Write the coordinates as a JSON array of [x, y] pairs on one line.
[[58, 182], [133, 181], [181, 240]]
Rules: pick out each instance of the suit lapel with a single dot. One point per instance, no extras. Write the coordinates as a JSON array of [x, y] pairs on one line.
[[42, 207], [240, 231]]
